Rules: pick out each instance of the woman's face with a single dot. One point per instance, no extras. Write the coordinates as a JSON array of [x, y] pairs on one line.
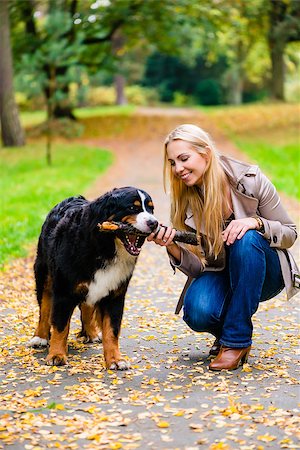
[[187, 164]]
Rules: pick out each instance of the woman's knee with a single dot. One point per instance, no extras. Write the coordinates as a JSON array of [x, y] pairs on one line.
[[205, 299], [198, 314], [250, 241]]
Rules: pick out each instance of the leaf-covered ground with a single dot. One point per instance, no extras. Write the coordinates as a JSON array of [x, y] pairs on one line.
[[169, 399]]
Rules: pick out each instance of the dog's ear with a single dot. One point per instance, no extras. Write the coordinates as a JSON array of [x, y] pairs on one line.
[[104, 208]]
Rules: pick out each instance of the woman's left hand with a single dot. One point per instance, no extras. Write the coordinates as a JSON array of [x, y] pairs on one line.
[[237, 228]]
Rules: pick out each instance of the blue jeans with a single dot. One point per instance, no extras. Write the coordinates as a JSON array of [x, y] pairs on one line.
[[223, 303]]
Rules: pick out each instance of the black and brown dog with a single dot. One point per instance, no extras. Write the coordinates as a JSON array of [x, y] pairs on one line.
[[77, 265]]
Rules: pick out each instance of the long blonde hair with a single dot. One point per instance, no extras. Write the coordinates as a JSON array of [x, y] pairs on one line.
[[207, 202]]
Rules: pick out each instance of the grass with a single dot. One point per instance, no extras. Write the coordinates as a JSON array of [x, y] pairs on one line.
[[100, 111], [32, 118], [270, 135], [280, 162], [29, 188]]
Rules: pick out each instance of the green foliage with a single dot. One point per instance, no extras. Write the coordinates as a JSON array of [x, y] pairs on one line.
[[135, 95], [201, 81], [269, 135], [209, 92], [80, 40], [65, 40], [279, 161], [29, 188]]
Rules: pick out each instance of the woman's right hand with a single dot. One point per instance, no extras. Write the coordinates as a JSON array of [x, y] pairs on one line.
[[164, 237]]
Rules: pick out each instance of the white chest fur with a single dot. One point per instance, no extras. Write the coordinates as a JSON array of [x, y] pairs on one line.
[[110, 278]]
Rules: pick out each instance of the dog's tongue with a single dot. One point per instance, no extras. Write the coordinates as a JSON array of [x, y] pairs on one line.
[[131, 238]]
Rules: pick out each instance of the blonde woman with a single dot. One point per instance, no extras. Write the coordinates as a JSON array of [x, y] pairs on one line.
[[245, 231]]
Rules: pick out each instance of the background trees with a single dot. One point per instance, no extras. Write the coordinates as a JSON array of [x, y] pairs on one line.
[[283, 28], [207, 52], [11, 131]]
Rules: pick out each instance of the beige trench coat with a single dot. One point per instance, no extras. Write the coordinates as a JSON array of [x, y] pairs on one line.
[[252, 194]]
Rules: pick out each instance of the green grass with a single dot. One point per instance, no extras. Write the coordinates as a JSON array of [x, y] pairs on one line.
[[270, 135], [32, 118], [279, 162], [29, 188], [99, 111]]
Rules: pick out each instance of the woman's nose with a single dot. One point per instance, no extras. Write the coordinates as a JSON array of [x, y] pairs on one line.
[[178, 167]]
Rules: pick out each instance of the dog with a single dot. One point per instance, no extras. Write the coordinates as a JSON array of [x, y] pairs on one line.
[[78, 265]]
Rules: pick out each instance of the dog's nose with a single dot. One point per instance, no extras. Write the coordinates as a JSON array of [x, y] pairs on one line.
[[152, 224]]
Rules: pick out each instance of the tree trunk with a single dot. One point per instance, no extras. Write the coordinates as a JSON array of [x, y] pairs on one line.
[[119, 86], [234, 83], [11, 130], [118, 42], [277, 39], [63, 108], [277, 75]]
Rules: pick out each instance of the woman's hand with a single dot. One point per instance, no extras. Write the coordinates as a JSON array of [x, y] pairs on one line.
[[163, 237], [237, 228]]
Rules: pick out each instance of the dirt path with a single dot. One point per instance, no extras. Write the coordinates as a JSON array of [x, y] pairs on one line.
[[139, 158], [169, 399]]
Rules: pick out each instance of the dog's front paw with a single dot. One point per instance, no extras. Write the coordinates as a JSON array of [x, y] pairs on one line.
[[36, 342], [120, 365], [56, 360]]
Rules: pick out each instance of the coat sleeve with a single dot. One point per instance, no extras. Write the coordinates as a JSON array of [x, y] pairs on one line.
[[279, 227], [189, 263]]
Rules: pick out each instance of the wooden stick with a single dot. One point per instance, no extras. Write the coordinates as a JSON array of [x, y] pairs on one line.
[[186, 237]]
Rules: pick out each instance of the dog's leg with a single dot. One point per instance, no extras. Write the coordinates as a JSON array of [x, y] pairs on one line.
[[111, 316], [62, 311], [42, 333], [58, 346], [90, 330]]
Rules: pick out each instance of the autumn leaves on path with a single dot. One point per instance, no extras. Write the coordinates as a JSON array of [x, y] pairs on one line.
[[169, 399]]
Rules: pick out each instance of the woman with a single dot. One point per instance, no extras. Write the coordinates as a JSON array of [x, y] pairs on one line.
[[242, 259]]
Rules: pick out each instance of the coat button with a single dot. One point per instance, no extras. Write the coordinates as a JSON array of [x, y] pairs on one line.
[[274, 239]]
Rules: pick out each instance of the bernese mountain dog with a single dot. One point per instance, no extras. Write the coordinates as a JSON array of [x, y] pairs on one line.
[[77, 265]]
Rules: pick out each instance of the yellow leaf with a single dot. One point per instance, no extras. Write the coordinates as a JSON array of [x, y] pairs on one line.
[[179, 413], [59, 407], [115, 445], [266, 438], [163, 424], [219, 446]]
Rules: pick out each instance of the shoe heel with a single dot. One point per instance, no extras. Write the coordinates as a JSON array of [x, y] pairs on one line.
[[244, 359]]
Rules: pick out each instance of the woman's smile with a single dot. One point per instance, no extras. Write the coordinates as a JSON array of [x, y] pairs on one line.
[[187, 164]]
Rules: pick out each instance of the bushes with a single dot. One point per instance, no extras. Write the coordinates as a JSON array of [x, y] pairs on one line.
[[135, 95]]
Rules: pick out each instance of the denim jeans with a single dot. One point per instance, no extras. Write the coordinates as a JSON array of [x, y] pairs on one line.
[[223, 303]]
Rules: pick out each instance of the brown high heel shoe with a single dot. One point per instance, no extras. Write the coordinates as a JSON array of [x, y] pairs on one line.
[[230, 358]]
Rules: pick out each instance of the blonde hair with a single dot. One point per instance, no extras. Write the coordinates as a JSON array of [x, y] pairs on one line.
[[206, 202]]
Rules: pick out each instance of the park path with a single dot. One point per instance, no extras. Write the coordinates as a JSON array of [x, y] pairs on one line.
[[169, 399]]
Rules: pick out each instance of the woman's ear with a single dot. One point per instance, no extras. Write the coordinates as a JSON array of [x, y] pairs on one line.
[[207, 154]]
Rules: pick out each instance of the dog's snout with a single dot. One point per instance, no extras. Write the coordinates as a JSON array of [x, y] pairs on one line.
[[152, 224]]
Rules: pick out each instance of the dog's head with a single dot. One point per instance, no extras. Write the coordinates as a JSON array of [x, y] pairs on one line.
[[132, 206]]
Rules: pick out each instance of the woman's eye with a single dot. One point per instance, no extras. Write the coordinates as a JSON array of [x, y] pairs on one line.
[[172, 163], [184, 158]]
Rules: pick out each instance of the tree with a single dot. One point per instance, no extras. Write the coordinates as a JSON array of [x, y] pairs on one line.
[[284, 27], [90, 30], [11, 130], [239, 27]]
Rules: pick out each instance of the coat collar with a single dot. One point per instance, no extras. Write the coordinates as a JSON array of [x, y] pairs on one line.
[[236, 170]]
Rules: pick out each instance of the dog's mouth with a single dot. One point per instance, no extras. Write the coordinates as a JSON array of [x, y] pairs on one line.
[[132, 243]]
